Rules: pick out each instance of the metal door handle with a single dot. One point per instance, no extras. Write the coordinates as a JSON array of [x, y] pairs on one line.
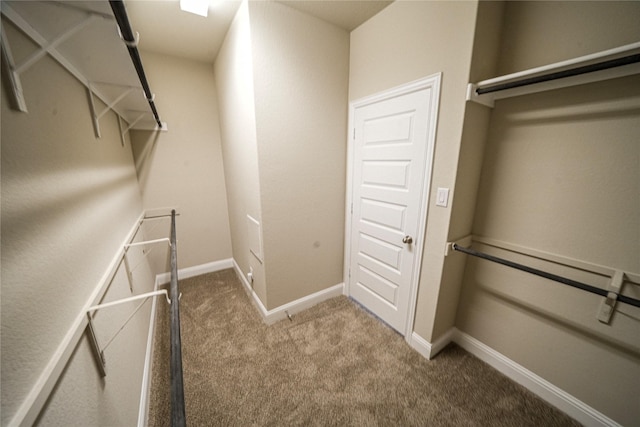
[[407, 239]]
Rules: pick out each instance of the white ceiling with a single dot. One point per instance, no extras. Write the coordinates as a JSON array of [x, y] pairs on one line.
[[164, 28], [347, 14], [98, 58]]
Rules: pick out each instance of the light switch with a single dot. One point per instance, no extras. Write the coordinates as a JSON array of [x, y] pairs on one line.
[[442, 197]]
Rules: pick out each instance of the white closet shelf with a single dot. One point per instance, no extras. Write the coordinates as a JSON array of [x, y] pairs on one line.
[[605, 65], [82, 36]]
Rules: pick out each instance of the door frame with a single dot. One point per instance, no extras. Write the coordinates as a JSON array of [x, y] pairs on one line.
[[432, 82]]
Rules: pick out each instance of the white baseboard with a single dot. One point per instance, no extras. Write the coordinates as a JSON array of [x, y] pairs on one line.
[[557, 397], [303, 303], [197, 270], [279, 313], [552, 394], [427, 349], [38, 395]]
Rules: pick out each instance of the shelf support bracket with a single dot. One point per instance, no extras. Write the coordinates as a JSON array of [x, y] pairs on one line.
[[44, 48], [126, 259], [95, 347], [98, 352], [134, 122], [122, 138], [486, 100], [49, 48], [94, 115], [14, 77], [110, 107]]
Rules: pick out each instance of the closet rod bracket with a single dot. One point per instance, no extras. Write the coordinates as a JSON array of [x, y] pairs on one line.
[[608, 304], [463, 241], [9, 68], [98, 352], [128, 268]]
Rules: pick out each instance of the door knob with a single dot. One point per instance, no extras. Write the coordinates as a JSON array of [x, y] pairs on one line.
[[407, 240]]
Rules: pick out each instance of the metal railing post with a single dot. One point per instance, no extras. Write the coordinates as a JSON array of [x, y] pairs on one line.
[[178, 418]]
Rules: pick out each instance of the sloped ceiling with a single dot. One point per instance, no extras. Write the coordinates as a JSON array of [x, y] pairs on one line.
[[347, 14], [164, 28], [93, 51], [99, 59]]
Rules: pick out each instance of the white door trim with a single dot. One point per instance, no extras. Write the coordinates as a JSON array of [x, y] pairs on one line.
[[432, 82]]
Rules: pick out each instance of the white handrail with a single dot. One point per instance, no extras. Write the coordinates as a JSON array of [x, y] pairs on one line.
[[36, 398], [148, 242], [129, 299]]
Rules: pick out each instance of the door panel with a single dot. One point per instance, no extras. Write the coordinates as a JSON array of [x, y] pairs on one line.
[[380, 251], [389, 130], [383, 214], [386, 174], [385, 289], [389, 157]]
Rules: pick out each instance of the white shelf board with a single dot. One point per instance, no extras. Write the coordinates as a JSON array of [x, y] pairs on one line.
[[95, 55], [612, 73]]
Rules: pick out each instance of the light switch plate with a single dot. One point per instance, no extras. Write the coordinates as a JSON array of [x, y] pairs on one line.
[[442, 197]]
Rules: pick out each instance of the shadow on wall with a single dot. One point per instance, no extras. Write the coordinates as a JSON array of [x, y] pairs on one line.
[[30, 227], [32, 215], [601, 102], [510, 292], [143, 146], [557, 321]]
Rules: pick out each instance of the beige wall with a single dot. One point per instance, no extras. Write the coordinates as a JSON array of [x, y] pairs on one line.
[[405, 42], [474, 131], [282, 79], [552, 31], [234, 80], [68, 203], [561, 174], [183, 166], [301, 77]]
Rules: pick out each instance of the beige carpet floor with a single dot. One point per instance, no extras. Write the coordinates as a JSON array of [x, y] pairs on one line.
[[334, 364]]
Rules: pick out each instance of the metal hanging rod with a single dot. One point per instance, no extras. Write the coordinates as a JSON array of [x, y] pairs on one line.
[[49, 47], [585, 287], [178, 418], [619, 62], [608, 64], [120, 13]]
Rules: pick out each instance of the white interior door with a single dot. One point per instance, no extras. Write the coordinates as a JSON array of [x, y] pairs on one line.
[[393, 139]]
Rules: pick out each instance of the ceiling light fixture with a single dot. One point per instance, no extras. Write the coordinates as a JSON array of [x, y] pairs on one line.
[[199, 7]]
